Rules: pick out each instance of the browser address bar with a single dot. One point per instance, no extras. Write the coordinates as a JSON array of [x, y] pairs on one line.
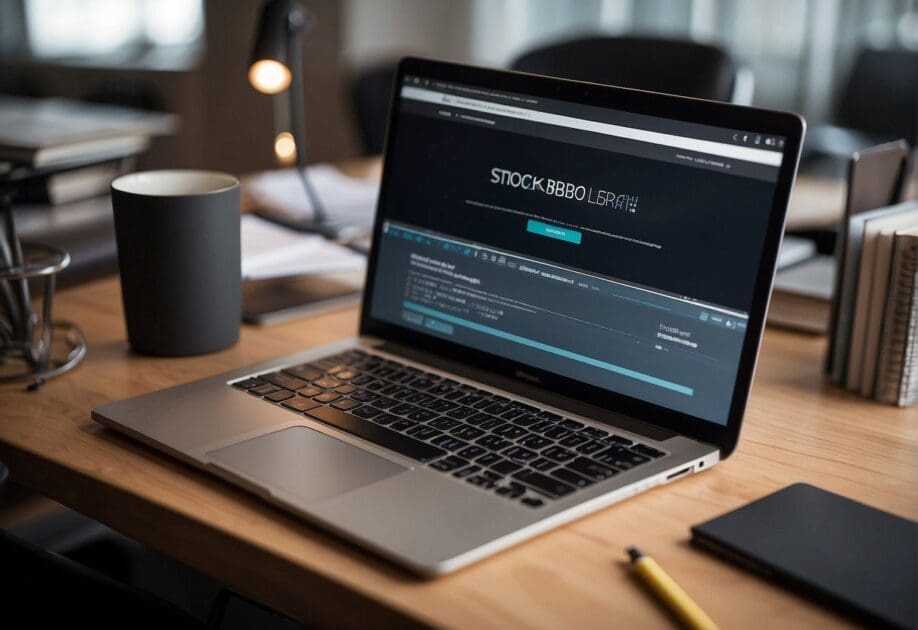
[[747, 154]]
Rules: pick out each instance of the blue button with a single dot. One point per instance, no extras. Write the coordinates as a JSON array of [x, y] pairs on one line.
[[553, 231]]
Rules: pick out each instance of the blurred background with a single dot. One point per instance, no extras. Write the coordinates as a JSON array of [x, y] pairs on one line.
[[190, 57]]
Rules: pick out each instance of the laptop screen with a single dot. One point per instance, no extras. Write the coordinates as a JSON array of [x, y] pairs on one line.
[[616, 249]]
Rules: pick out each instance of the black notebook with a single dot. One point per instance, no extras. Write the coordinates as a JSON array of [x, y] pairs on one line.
[[835, 550]]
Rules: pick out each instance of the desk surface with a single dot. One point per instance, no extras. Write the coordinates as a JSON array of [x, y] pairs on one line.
[[797, 429]]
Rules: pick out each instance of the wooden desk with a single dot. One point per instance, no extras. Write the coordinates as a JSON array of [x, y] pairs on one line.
[[797, 429]]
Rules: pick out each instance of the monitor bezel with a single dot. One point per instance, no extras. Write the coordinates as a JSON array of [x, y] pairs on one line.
[[790, 126]]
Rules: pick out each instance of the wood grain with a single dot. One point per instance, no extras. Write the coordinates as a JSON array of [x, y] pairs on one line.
[[797, 429]]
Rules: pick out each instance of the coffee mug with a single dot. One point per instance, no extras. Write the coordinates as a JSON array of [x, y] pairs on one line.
[[177, 233]]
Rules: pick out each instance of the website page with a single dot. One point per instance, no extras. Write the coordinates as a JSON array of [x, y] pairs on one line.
[[613, 248]]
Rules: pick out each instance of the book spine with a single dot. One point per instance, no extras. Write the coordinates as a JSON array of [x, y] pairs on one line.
[[909, 383]]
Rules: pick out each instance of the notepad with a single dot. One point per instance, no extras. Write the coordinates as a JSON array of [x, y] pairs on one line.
[[826, 546]]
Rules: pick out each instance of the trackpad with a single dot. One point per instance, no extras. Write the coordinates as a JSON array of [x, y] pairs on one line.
[[305, 463]]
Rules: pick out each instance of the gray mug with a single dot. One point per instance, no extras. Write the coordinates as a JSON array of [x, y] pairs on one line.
[[178, 255]]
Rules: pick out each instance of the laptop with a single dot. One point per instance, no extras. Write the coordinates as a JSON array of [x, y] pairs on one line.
[[563, 307]]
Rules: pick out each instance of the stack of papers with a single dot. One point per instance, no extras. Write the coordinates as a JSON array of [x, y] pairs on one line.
[[347, 200], [272, 251]]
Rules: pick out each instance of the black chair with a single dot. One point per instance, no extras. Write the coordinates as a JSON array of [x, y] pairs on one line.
[[648, 63], [879, 103]]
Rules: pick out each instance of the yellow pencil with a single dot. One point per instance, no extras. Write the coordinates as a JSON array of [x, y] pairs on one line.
[[670, 593]]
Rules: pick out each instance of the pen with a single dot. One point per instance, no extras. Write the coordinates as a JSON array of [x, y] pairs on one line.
[[670, 593]]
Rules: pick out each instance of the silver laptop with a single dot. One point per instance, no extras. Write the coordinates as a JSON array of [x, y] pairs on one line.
[[563, 308]]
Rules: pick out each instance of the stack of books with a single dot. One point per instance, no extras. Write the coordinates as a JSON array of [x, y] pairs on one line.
[[65, 151], [874, 334]]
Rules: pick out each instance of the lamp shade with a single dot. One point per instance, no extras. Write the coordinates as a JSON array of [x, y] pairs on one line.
[[269, 68]]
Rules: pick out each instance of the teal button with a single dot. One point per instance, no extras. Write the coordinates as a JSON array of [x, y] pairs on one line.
[[553, 231]]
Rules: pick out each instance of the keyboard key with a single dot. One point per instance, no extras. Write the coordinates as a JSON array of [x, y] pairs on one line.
[[520, 454], [621, 458], [263, 390], [493, 442], [283, 380], [511, 491], [461, 413], [493, 423], [449, 463], [422, 415], [385, 419], [532, 502], [542, 426], [481, 481], [404, 409], [383, 403], [497, 408], [567, 423], [525, 407], [345, 403], [557, 433], [421, 383], [419, 398], [443, 423], [465, 472], [407, 446], [543, 483], [346, 375], [551, 417], [248, 383], [336, 368], [574, 440], [328, 382], [512, 413], [362, 380], [558, 454], [488, 459], [309, 391], [596, 434], [402, 425], [572, 478], [590, 447], [346, 389], [467, 432], [649, 451], [505, 467], [304, 372], [526, 420], [510, 431], [366, 412], [536, 442], [621, 440], [590, 469], [471, 452], [470, 399], [542, 464], [441, 389], [449, 442], [298, 403], [493, 476], [327, 397], [423, 432], [279, 395], [439, 405], [478, 418]]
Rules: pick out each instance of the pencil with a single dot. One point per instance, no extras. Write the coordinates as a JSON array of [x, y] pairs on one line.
[[667, 591]]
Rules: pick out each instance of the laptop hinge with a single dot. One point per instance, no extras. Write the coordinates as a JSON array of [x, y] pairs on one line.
[[530, 391]]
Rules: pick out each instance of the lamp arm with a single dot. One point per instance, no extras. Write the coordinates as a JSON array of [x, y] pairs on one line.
[[296, 91]]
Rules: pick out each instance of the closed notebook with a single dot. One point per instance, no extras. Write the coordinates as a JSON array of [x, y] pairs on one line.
[[831, 549]]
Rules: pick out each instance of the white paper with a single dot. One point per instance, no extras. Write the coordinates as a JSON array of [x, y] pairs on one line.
[[273, 251], [349, 200]]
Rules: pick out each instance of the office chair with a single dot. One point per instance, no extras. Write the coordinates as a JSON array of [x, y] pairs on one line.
[[879, 103], [647, 63]]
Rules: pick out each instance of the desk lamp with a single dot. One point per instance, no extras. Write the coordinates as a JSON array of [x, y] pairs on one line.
[[277, 65]]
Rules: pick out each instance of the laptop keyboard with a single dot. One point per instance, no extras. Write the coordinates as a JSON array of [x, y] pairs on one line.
[[512, 449]]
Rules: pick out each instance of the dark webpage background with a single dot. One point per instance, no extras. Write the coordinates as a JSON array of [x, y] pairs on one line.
[[711, 226]]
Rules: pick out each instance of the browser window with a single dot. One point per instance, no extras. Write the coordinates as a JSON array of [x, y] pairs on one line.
[[614, 248]]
